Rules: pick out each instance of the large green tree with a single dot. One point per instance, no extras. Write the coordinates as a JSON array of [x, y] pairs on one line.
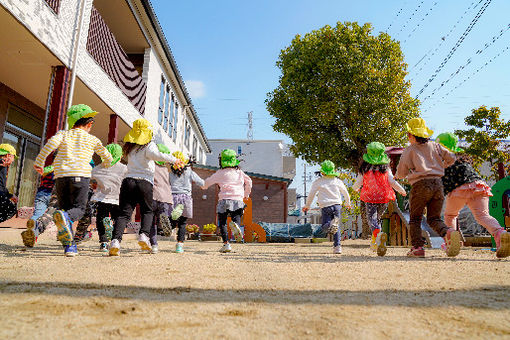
[[340, 89], [484, 137]]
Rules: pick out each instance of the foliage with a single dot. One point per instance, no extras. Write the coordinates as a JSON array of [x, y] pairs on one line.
[[484, 138], [209, 228], [340, 89]]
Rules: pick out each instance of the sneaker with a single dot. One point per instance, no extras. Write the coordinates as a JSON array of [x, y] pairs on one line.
[[114, 248], [452, 242], [337, 249], [416, 252], [381, 243], [71, 250], [165, 225], [64, 227], [82, 237], [333, 225], [108, 227], [502, 239], [179, 248], [29, 235], [154, 249], [236, 231], [226, 248], [144, 242], [103, 247], [373, 244], [177, 212]]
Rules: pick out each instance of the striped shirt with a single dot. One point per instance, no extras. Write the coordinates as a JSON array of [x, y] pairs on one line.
[[75, 150]]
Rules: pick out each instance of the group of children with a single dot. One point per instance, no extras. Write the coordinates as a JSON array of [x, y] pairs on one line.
[[160, 182], [434, 170], [153, 177]]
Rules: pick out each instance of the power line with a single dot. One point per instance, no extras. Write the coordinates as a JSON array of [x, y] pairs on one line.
[[421, 21], [462, 67], [444, 38], [411, 16], [396, 17], [456, 46]]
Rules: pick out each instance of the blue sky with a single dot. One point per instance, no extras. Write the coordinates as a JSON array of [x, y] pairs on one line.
[[226, 52]]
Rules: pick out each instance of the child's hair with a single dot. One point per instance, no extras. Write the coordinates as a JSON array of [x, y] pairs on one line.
[[224, 167], [83, 121], [128, 147], [421, 140], [365, 167]]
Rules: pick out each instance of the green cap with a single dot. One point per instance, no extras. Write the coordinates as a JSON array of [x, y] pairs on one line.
[[328, 168], [116, 151], [375, 154], [163, 149], [229, 159], [449, 141], [77, 112]]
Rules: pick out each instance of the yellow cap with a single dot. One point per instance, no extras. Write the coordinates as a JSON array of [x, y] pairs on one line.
[[141, 133], [417, 127]]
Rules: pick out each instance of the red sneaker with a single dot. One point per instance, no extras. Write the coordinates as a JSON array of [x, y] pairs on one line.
[[416, 252], [502, 239], [452, 242]]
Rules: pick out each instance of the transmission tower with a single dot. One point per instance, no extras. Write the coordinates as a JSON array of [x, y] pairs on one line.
[[249, 135]]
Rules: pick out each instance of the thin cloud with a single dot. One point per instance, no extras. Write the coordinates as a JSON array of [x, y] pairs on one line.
[[196, 88]]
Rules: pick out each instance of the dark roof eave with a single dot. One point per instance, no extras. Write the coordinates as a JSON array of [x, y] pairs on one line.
[[251, 174], [155, 24]]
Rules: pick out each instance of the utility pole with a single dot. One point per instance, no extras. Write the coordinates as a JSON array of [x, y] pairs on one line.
[[306, 177], [249, 136]]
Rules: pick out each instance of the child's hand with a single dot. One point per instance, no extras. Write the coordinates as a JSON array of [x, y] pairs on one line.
[[305, 209], [39, 170], [404, 194]]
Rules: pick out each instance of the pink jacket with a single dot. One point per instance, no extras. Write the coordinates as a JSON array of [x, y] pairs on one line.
[[234, 184]]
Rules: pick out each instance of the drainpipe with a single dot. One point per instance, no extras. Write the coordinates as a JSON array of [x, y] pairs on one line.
[[76, 48]]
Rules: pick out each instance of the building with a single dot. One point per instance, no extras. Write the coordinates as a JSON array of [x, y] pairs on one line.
[[269, 198], [267, 157], [109, 54]]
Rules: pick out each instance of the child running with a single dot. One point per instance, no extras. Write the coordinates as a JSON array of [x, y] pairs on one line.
[[137, 186], [7, 200], [234, 185], [41, 204], [464, 186], [423, 164], [376, 182], [181, 178], [107, 193], [329, 189], [72, 170], [162, 200]]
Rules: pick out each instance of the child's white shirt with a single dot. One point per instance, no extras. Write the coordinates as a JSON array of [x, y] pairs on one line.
[[329, 192]]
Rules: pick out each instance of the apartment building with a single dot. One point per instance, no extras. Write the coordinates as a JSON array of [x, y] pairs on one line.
[[109, 54]]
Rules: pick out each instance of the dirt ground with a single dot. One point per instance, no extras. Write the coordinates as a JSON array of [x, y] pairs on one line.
[[259, 291]]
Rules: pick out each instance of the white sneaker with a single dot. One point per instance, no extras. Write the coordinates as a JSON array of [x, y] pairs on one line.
[[333, 225], [144, 242], [236, 231], [226, 248], [114, 247], [154, 249], [337, 249]]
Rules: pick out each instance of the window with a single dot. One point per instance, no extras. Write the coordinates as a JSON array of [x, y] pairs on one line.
[[239, 150], [171, 118], [187, 132], [200, 153], [176, 115], [194, 149], [161, 101], [167, 98]]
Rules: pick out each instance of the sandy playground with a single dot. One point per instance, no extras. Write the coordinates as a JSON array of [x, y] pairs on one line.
[[260, 291]]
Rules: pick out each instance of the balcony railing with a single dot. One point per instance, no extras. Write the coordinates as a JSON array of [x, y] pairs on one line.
[[107, 52], [54, 4]]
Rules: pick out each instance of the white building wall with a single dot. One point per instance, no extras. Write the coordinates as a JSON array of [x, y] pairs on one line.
[[263, 157]]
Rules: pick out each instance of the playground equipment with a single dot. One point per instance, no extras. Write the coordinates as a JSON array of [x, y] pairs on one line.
[[396, 226], [253, 232], [499, 207]]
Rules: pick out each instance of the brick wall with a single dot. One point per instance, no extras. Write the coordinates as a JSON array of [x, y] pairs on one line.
[[271, 210]]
